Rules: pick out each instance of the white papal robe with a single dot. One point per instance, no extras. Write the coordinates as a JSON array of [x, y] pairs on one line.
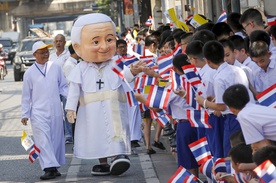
[[41, 103], [102, 124]]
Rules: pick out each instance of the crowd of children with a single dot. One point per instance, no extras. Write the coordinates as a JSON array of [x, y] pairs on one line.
[[236, 64]]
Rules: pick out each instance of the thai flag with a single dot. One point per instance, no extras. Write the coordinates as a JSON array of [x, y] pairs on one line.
[[220, 165], [155, 68], [138, 83], [268, 97], [148, 59], [179, 176], [177, 80], [198, 118], [34, 153], [148, 80], [192, 74], [200, 150], [240, 177], [140, 49], [158, 97], [165, 64], [143, 108], [130, 60], [118, 67], [190, 96], [189, 18], [266, 171], [206, 168], [149, 22], [131, 98], [190, 179], [177, 50], [271, 21], [161, 117], [222, 17]]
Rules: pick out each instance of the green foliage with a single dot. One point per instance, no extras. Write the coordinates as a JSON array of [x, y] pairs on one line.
[[105, 6]]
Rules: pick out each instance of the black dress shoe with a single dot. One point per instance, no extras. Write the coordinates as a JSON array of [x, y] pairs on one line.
[[48, 175], [159, 145], [135, 143], [119, 165], [151, 151], [100, 170], [57, 173]]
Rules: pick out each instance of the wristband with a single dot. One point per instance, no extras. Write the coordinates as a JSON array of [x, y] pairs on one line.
[[185, 94], [204, 104]]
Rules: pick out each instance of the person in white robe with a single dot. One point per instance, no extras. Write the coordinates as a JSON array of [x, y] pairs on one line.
[[102, 123], [43, 83]]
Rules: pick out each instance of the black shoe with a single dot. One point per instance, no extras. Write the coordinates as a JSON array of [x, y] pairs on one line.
[[99, 170], [57, 173], [151, 151], [172, 140], [159, 145], [134, 143], [119, 165], [48, 175]]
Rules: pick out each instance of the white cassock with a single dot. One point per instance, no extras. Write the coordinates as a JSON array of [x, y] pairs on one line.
[[102, 124], [41, 103]]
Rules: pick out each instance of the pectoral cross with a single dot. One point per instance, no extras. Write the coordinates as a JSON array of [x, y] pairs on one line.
[[100, 83]]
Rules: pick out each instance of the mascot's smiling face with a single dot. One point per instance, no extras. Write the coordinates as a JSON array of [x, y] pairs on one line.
[[98, 42]]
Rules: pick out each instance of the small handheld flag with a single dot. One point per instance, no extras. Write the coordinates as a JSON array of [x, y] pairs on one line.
[[222, 17], [200, 150], [130, 60], [34, 153], [179, 176], [158, 97], [220, 165], [138, 48], [26, 141], [266, 171], [192, 74], [131, 98], [118, 67], [149, 22], [198, 118], [206, 168], [268, 97]]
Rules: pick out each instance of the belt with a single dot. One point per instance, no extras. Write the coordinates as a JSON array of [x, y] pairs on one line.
[[182, 120]]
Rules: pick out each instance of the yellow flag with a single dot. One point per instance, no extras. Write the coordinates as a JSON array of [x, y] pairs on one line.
[[182, 25], [172, 14], [198, 20], [26, 141]]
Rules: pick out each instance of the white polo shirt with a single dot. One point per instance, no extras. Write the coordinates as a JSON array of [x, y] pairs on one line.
[[257, 123], [247, 71], [60, 60]]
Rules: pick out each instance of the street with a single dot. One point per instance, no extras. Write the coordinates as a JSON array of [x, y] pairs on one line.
[[16, 167]]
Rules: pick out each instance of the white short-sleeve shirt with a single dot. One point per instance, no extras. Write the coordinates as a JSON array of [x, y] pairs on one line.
[[257, 123]]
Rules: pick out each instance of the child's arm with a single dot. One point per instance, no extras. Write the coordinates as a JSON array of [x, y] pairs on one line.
[[221, 176], [209, 104], [246, 166]]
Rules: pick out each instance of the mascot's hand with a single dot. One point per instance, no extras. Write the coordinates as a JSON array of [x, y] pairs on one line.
[[71, 116], [137, 67]]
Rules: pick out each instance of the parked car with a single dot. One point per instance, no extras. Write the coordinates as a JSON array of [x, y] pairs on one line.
[[9, 48], [24, 57]]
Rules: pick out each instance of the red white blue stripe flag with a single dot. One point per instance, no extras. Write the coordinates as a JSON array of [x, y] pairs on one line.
[[158, 97], [268, 97], [149, 60], [198, 118], [142, 81], [190, 179], [161, 117], [271, 20], [118, 67], [200, 150], [180, 175], [192, 75], [206, 168], [190, 96], [165, 65], [266, 171], [130, 60], [177, 50], [138, 48], [131, 98], [34, 153], [240, 177], [177, 80], [149, 21], [222, 17], [220, 165]]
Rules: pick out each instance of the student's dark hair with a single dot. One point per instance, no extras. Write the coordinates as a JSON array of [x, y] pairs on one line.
[[177, 36], [214, 51], [123, 34], [241, 153], [136, 25], [188, 34], [246, 44], [71, 49], [207, 26], [236, 138], [258, 49], [259, 35], [252, 15], [265, 153], [237, 41], [169, 38], [194, 49], [236, 96], [151, 39], [157, 34], [221, 29], [180, 60], [273, 31], [166, 27], [227, 43], [233, 21], [120, 41], [176, 31], [163, 37], [204, 36]]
